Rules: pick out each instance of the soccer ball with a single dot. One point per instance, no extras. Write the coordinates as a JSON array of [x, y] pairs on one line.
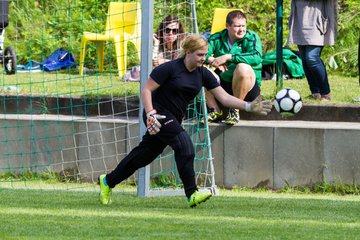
[[288, 102]]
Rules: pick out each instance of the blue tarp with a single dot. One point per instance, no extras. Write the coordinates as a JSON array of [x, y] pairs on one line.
[[59, 59]]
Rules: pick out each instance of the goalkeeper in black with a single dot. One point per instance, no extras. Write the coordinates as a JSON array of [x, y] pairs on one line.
[[165, 96]]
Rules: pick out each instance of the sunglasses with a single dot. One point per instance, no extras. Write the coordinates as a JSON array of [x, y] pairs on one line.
[[172, 30]]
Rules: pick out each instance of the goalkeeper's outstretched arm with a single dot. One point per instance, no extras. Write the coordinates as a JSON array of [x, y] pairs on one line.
[[257, 106]]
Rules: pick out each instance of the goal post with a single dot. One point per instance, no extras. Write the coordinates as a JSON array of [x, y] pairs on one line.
[[147, 12]]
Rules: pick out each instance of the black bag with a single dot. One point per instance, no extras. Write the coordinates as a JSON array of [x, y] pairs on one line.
[[4, 14]]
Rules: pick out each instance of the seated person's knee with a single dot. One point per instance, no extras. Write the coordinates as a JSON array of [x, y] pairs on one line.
[[243, 70]]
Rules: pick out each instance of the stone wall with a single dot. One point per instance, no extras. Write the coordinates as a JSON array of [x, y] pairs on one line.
[[252, 153], [276, 154]]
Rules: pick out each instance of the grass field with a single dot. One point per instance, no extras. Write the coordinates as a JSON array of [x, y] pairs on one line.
[[47, 214], [236, 214]]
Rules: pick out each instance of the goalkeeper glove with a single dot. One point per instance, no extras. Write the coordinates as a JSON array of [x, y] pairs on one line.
[[152, 123], [258, 106]]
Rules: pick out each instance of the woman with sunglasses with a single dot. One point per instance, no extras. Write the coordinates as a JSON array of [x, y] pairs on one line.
[[167, 40], [166, 45], [169, 89]]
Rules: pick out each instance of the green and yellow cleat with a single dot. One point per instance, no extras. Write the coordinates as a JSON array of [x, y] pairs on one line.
[[213, 116], [105, 191], [233, 117], [196, 198]]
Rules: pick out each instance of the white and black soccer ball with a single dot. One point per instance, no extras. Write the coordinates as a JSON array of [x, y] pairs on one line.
[[288, 101]]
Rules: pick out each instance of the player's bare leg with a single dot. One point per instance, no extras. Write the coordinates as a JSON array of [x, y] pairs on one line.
[[214, 113], [242, 82]]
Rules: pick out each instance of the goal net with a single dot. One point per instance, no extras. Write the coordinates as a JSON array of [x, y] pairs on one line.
[[70, 94]]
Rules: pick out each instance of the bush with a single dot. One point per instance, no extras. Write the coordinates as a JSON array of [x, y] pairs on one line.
[[42, 26]]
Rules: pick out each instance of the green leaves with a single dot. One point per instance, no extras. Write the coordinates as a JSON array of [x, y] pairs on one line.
[[39, 27]]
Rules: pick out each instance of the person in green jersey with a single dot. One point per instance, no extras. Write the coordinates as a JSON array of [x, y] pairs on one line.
[[236, 55]]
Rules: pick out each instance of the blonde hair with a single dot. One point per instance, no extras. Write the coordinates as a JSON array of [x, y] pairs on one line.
[[192, 43]]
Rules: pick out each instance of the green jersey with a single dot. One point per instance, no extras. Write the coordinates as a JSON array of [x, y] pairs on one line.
[[245, 50]]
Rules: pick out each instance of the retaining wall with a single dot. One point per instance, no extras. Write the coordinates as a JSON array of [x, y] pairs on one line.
[[280, 153], [251, 153]]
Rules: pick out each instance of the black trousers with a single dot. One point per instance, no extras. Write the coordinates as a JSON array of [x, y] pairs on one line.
[[151, 146]]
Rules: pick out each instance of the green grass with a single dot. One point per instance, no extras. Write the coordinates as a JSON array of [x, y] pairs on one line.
[[68, 84], [32, 214], [344, 89]]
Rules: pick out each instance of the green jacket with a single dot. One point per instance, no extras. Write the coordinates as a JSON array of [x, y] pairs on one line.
[[246, 50], [291, 61]]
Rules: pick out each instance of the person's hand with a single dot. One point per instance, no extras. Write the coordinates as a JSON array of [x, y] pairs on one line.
[[258, 106], [222, 68], [156, 41], [152, 123], [155, 62], [220, 62], [155, 56], [215, 64]]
